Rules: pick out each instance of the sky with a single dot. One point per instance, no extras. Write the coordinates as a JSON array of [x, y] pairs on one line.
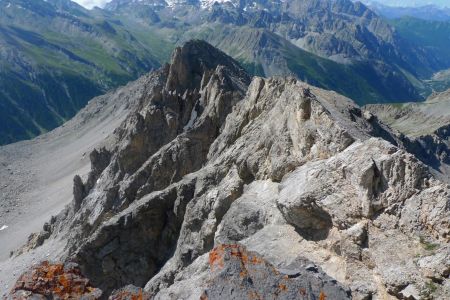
[[91, 3]]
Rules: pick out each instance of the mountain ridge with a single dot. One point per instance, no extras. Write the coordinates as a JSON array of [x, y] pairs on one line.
[[429, 12], [338, 45], [296, 33], [210, 168]]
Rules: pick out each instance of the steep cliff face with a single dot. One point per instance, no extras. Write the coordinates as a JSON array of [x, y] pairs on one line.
[[221, 187]]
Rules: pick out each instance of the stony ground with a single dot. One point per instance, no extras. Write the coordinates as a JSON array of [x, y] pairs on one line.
[[36, 176], [418, 118]]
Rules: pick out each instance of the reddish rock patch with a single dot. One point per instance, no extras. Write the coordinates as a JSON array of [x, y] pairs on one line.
[[130, 292], [216, 257], [60, 281]]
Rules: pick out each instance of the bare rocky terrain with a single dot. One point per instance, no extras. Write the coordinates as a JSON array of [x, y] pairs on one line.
[[418, 118], [37, 176], [211, 184], [425, 124]]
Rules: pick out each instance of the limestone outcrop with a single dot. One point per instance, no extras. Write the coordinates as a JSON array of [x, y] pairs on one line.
[[221, 187]]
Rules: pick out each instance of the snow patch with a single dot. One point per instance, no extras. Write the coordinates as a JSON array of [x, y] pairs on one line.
[[210, 3], [3, 227]]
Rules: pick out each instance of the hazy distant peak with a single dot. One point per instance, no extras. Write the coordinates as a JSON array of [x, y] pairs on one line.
[[409, 3]]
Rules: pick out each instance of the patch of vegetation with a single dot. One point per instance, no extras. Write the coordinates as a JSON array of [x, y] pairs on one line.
[[429, 290], [428, 245], [360, 81], [253, 68], [430, 34], [25, 112]]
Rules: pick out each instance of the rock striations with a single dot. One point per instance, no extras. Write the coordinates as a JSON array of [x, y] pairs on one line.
[[219, 186]]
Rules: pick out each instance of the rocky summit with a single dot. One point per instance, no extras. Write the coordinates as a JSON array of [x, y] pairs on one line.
[[221, 186]]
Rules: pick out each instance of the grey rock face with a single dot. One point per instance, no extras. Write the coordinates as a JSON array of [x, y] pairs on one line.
[[78, 192], [238, 274], [166, 137], [146, 232], [299, 176], [376, 192]]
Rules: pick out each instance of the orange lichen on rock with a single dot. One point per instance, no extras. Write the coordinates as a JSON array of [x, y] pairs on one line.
[[282, 287], [216, 259], [130, 292], [55, 281], [139, 296], [243, 273], [237, 252], [217, 255], [322, 296], [256, 260]]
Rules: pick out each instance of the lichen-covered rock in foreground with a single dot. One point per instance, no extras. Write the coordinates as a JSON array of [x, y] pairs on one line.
[[54, 281], [239, 274], [130, 292]]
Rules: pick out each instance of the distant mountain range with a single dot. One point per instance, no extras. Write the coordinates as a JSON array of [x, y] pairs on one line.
[[409, 3], [434, 36], [427, 12], [55, 55], [426, 27]]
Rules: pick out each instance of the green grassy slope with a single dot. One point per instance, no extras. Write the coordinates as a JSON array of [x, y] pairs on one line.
[[52, 62], [433, 36]]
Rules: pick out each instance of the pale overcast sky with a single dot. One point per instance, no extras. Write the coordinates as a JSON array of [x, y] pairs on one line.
[[91, 3]]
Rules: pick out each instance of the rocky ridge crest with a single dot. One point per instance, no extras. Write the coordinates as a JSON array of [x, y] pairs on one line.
[[211, 166]]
